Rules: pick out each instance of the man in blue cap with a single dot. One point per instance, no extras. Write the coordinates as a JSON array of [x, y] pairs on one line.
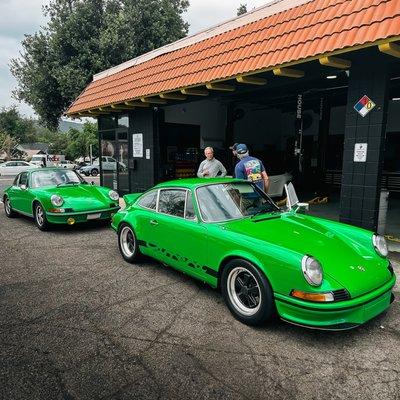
[[251, 168]]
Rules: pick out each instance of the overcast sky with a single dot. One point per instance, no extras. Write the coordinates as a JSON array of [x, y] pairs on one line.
[[19, 17]]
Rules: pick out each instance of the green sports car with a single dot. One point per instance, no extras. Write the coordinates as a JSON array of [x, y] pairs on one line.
[[226, 232], [58, 196]]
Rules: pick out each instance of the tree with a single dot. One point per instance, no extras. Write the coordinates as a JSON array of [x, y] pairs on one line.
[[80, 141], [84, 37], [242, 9], [8, 145], [20, 128]]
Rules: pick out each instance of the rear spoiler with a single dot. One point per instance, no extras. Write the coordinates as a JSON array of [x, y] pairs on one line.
[[131, 198]]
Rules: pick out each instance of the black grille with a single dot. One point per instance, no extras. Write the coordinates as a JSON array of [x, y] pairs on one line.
[[69, 210], [341, 295], [390, 268]]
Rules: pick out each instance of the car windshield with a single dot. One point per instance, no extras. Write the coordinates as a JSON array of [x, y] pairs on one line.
[[227, 201], [54, 178]]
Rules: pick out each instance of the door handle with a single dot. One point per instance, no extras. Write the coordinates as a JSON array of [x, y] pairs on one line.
[[153, 222]]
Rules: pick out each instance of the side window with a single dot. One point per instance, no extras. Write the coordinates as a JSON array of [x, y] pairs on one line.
[[172, 202], [15, 183], [103, 159], [23, 179], [11, 164], [149, 200], [189, 212]]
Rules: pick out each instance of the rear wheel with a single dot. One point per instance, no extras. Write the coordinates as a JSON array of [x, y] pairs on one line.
[[94, 172], [40, 217], [10, 213], [128, 244], [247, 292]]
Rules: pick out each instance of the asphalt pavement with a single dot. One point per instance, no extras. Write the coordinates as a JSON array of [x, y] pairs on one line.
[[77, 322]]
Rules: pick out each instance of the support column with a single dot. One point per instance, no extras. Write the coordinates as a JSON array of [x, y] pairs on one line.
[[361, 181]]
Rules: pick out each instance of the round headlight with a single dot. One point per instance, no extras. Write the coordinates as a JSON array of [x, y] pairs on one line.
[[113, 195], [56, 200], [380, 245], [312, 270]]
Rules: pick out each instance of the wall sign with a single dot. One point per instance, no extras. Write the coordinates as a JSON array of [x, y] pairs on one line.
[[137, 143], [364, 106], [360, 152]]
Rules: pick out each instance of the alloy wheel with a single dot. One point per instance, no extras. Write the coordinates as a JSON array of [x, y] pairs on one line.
[[127, 241]]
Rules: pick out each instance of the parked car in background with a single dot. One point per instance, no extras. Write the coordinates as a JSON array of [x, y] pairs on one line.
[[11, 168], [47, 160], [58, 196], [107, 164], [66, 164]]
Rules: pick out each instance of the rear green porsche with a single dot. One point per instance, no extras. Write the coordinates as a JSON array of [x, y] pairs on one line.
[[58, 196], [310, 271]]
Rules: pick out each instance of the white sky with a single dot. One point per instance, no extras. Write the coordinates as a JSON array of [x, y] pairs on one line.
[[19, 17]]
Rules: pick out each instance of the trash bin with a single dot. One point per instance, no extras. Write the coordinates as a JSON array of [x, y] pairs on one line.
[[383, 206]]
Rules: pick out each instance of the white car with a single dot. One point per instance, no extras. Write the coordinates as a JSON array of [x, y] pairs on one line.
[[11, 168], [277, 184], [66, 164]]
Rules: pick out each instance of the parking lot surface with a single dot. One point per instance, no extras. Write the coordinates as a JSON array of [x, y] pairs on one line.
[[77, 322]]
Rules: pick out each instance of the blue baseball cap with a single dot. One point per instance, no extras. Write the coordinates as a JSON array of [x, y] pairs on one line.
[[241, 149]]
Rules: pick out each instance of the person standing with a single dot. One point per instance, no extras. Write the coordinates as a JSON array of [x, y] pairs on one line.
[[250, 168], [210, 167]]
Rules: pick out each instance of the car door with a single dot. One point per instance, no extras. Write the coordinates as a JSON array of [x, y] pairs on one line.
[[21, 166], [179, 237], [10, 168], [22, 196]]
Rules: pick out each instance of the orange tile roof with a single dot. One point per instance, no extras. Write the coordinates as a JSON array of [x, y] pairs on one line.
[[315, 28]]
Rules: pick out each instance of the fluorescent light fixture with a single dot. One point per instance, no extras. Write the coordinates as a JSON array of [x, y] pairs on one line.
[[396, 99], [331, 77]]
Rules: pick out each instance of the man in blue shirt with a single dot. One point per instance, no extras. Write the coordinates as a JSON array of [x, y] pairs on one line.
[[251, 168]]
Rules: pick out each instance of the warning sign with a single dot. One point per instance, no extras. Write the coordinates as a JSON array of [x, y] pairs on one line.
[[364, 106], [360, 152]]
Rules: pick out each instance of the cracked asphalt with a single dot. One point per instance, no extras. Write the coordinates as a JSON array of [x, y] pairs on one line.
[[77, 322]]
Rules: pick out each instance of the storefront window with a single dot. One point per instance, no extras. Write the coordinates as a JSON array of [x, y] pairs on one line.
[[123, 175], [109, 159], [123, 121], [106, 122]]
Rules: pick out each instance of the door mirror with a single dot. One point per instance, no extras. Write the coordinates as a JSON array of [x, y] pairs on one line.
[[23, 187]]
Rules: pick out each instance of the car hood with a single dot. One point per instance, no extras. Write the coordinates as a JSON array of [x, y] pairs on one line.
[[353, 263], [80, 197]]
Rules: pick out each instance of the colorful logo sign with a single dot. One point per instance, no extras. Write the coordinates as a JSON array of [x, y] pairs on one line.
[[364, 106]]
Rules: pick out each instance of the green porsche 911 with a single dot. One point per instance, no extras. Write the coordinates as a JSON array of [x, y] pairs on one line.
[[58, 196], [310, 271]]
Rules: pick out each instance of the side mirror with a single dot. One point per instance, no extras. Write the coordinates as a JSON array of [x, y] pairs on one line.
[[23, 187]]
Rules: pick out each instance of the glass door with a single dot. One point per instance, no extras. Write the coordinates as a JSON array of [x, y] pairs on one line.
[[122, 161]]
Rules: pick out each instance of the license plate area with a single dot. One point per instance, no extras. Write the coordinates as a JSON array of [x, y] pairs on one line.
[[93, 216]]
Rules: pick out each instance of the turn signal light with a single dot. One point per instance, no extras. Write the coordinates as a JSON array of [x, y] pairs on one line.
[[318, 297], [57, 210]]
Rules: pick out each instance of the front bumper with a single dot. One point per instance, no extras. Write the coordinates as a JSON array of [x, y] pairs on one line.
[[82, 216], [336, 315]]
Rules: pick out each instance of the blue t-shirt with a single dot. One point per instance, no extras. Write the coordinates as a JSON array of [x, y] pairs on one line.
[[250, 169]]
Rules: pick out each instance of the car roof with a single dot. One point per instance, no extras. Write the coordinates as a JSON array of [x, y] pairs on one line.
[[196, 182]]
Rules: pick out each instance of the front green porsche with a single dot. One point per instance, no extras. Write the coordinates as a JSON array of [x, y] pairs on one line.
[[59, 196], [312, 272]]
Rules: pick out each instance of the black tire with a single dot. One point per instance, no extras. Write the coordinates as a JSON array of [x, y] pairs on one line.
[[10, 213], [128, 243], [39, 215], [247, 293], [86, 173], [94, 172]]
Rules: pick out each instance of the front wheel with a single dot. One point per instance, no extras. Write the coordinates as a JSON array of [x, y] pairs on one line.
[[128, 244], [247, 292], [40, 218], [95, 172], [10, 213]]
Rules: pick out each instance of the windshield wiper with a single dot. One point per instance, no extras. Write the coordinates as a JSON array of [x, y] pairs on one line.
[[67, 183], [264, 211]]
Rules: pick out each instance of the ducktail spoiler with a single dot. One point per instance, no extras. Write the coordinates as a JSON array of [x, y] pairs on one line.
[[130, 198]]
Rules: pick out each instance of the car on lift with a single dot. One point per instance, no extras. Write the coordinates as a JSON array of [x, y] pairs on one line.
[[58, 196], [277, 184], [266, 260]]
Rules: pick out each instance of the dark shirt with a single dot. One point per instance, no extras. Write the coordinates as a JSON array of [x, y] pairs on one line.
[[250, 169]]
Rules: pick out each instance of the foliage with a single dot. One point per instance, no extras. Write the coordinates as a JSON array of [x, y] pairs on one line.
[[242, 9], [84, 37], [8, 145], [80, 141], [19, 128]]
